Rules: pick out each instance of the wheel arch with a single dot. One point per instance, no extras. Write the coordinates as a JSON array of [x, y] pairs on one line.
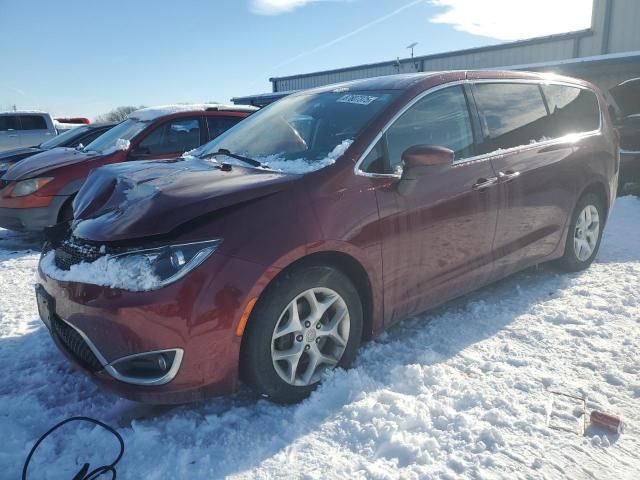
[[348, 265], [67, 203], [598, 188]]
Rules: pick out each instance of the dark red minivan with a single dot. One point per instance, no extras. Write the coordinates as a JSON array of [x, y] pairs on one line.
[[269, 254], [37, 192]]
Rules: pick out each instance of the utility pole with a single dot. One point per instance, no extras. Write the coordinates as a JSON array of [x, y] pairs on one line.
[[412, 46]]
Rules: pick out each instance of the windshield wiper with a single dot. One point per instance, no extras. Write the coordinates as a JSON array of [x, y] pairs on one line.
[[227, 153]]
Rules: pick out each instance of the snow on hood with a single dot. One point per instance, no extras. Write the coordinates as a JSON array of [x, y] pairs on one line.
[[152, 113], [128, 273]]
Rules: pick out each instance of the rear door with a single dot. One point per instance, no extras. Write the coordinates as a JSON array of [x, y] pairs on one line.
[[33, 130], [9, 132], [438, 234], [526, 138], [217, 125]]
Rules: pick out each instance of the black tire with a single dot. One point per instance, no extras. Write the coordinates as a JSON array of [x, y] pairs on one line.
[[570, 261], [66, 212], [256, 365]]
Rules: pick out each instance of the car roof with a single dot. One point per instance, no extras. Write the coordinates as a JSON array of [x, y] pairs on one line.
[[408, 81], [153, 113], [101, 124], [23, 112]]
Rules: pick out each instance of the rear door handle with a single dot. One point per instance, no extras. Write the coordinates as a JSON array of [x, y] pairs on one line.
[[508, 176], [13, 136], [483, 183]]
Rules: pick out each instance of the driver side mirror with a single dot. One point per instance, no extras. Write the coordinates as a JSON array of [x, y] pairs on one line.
[[420, 160]]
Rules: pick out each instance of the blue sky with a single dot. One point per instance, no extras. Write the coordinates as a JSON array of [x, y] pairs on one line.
[[77, 57]]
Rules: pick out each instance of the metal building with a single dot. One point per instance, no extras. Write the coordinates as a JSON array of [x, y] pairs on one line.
[[605, 54]]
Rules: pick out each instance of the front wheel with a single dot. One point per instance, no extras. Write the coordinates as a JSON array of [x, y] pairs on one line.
[[585, 234], [307, 322]]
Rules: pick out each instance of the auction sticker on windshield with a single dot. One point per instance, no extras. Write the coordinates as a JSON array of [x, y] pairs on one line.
[[357, 99]]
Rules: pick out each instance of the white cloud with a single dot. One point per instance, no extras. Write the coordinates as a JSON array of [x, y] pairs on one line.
[[352, 33], [515, 19], [276, 7]]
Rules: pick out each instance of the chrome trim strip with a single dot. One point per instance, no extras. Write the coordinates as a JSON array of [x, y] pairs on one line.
[[170, 375], [484, 156], [109, 368], [92, 347], [215, 243], [629, 152]]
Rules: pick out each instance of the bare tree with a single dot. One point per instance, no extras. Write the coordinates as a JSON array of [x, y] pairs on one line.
[[117, 114]]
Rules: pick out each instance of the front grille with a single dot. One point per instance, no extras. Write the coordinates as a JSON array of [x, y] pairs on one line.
[[71, 252], [75, 345]]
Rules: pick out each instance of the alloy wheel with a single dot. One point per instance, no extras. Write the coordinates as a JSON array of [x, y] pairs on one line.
[[587, 232], [310, 336]]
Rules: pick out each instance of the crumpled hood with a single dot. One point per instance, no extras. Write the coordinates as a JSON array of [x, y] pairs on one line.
[[42, 163], [139, 199]]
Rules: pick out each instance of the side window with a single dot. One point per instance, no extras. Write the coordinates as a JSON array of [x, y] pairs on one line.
[[218, 125], [33, 122], [441, 118], [8, 122], [177, 136], [376, 159], [573, 110], [513, 114], [88, 138]]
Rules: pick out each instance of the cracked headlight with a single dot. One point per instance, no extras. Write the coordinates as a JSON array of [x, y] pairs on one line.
[[170, 263]]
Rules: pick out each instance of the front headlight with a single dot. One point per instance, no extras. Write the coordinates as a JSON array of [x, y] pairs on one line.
[[170, 263], [27, 187]]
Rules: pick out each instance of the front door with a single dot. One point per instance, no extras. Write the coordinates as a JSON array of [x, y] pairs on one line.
[[438, 232], [170, 139], [9, 132]]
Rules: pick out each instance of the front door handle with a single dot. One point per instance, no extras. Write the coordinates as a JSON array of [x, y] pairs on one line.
[[508, 176], [483, 183], [13, 136]]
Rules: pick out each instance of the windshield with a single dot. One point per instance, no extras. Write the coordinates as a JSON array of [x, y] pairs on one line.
[[65, 137], [301, 133], [116, 138]]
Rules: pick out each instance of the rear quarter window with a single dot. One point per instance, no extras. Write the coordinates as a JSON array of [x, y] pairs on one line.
[[573, 109], [33, 122], [218, 125]]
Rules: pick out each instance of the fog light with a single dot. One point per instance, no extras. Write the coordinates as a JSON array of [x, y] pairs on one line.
[[151, 368]]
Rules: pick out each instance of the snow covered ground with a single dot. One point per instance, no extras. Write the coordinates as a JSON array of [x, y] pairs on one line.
[[461, 392]]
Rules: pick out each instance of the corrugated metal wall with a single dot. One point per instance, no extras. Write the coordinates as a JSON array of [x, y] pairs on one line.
[[621, 35]]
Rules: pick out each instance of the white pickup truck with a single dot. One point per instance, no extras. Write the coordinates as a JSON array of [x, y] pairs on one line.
[[27, 129]]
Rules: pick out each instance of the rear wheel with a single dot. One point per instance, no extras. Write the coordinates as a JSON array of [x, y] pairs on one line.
[[309, 321], [585, 234]]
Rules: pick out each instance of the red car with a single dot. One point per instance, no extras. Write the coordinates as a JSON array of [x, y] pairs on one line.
[[38, 191], [269, 254]]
